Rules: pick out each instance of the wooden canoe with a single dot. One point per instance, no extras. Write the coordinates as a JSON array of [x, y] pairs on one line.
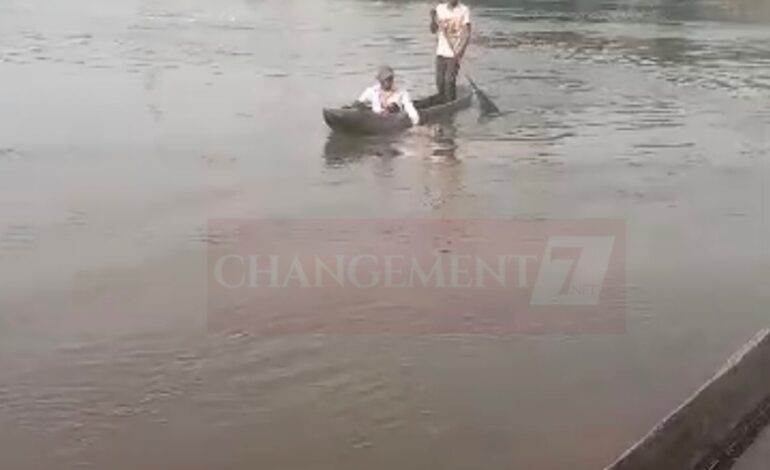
[[356, 120]]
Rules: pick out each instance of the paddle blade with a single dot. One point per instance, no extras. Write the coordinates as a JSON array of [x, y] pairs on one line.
[[488, 107]]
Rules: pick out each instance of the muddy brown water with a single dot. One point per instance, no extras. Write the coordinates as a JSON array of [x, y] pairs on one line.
[[125, 126]]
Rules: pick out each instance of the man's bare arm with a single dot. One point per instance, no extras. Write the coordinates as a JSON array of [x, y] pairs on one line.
[[466, 39]]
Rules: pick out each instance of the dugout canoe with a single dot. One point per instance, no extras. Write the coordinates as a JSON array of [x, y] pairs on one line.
[[355, 120]]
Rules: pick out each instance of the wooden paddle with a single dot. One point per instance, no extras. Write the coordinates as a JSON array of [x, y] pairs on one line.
[[488, 107]]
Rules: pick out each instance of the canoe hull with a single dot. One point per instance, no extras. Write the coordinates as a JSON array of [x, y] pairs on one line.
[[364, 121]]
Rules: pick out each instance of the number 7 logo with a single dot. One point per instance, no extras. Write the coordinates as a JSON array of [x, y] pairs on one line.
[[573, 270]]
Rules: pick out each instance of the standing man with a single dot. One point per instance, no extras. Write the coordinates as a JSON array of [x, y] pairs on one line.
[[452, 22]]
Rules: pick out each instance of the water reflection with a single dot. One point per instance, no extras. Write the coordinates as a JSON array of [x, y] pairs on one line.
[[436, 140], [431, 154], [341, 149], [443, 140], [443, 173]]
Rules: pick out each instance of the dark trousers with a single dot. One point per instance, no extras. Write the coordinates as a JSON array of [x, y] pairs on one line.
[[446, 77]]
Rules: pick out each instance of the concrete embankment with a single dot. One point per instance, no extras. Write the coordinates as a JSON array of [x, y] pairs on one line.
[[712, 428], [758, 457]]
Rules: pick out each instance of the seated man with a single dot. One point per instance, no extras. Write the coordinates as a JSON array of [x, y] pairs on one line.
[[384, 97]]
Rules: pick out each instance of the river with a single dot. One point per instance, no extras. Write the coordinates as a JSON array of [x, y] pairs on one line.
[[126, 126]]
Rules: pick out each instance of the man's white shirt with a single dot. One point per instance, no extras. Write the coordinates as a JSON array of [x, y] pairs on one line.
[[452, 23], [379, 100]]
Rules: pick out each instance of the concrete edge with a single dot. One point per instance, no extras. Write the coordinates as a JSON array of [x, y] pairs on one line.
[[706, 420]]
